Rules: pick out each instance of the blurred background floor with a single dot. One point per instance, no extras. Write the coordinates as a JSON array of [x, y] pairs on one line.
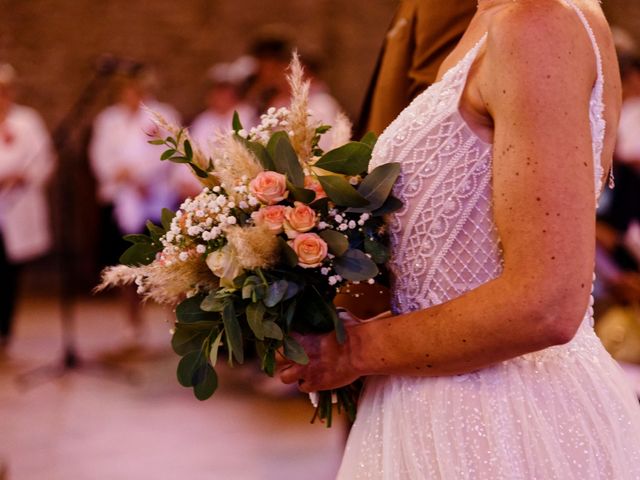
[[87, 425]]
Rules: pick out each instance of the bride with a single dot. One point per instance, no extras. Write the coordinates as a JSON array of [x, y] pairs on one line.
[[488, 367]]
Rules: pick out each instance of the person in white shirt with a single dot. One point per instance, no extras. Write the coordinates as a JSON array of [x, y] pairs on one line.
[[133, 184], [26, 164]]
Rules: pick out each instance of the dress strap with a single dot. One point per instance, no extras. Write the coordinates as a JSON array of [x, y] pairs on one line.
[[596, 110]]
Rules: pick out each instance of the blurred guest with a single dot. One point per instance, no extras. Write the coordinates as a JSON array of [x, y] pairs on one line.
[[422, 34], [268, 86], [133, 185], [26, 164], [223, 99]]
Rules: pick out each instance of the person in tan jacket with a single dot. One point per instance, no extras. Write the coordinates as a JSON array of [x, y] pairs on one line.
[[422, 34]]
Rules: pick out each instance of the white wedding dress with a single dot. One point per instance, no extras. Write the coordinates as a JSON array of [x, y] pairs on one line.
[[563, 413]]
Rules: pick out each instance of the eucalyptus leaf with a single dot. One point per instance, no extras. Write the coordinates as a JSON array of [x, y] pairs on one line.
[[255, 315], [207, 382], [288, 315], [184, 341], [349, 159], [275, 293], [294, 351], [379, 252], [369, 138], [166, 218], [269, 362], [286, 161], [377, 186], [215, 346], [301, 194], [355, 266], [342, 192], [233, 332], [138, 238], [189, 311], [272, 330], [212, 303], [289, 256], [390, 205], [139, 254], [187, 367], [292, 290], [337, 242]]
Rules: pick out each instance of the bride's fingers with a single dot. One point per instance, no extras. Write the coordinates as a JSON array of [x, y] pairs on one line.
[[290, 374]]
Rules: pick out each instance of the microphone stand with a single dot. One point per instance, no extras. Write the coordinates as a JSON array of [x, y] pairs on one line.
[[68, 155]]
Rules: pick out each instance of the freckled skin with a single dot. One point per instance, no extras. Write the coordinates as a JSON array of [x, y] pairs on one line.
[[528, 93]]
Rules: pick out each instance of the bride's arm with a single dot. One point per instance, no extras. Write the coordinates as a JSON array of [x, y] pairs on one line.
[[535, 81]]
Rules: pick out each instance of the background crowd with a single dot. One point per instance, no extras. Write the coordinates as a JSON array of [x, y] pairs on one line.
[[71, 188]]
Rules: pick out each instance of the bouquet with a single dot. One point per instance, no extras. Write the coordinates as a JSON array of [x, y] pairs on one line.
[[260, 253]]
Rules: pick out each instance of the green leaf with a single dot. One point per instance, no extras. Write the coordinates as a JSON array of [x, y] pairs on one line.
[[390, 205], [341, 192], [188, 366], [288, 315], [198, 171], [184, 340], [207, 382], [269, 362], [157, 141], [213, 303], [338, 243], [275, 293], [369, 138], [188, 150], [349, 159], [255, 314], [137, 238], [167, 154], [215, 346], [273, 141], [140, 254], [377, 186], [233, 332], [189, 311], [322, 129], [379, 253], [154, 230], [301, 194], [355, 266], [167, 218], [261, 154], [292, 290], [289, 256], [180, 159], [236, 124], [253, 288], [272, 330], [286, 161], [294, 351]]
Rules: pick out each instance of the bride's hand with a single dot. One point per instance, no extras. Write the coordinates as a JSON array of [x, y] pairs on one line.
[[330, 363]]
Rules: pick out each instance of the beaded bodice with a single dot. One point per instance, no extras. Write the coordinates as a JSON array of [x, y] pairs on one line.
[[444, 239]]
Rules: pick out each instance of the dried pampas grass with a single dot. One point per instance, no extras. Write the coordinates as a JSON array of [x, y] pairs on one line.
[[302, 131], [232, 162], [254, 246], [162, 282]]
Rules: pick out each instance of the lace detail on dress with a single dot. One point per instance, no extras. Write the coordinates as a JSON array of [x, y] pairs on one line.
[[444, 239]]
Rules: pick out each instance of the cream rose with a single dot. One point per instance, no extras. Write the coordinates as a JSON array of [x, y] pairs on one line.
[[269, 187], [300, 219], [310, 248], [272, 217], [224, 265], [310, 183]]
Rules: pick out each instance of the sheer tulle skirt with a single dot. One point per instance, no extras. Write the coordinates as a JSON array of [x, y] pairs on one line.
[[562, 413]]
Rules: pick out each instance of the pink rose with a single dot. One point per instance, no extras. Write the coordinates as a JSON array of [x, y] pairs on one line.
[[272, 217], [300, 218], [310, 248], [310, 183], [269, 187]]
